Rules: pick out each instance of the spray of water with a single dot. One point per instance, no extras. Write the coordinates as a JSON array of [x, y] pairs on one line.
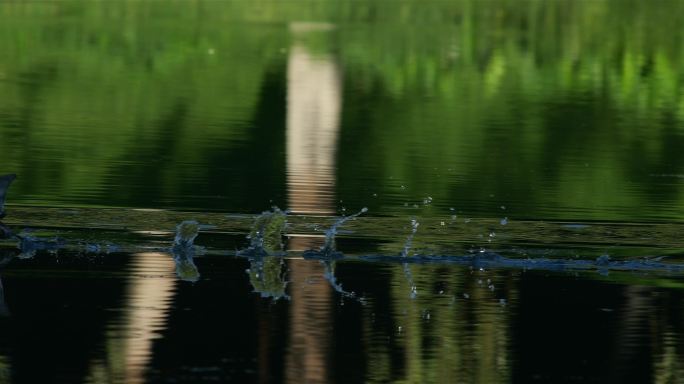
[[329, 275], [327, 254], [265, 240], [409, 238], [267, 277], [329, 245], [404, 253], [183, 250]]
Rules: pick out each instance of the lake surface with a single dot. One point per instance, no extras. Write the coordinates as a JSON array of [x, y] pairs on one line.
[[521, 165]]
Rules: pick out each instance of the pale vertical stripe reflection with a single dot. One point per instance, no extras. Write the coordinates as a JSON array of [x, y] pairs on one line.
[[129, 342]]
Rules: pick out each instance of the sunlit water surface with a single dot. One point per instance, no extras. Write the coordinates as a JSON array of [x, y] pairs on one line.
[[521, 165]]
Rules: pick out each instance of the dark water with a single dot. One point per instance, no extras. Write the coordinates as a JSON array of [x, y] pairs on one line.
[[537, 144]]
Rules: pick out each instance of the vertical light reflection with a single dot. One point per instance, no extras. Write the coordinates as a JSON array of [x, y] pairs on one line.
[[445, 341], [314, 99], [129, 343]]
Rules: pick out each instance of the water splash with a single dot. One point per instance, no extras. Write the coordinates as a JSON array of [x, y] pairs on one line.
[[183, 250], [328, 251], [404, 254], [329, 274], [327, 254], [265, 271], [267, 277], [409, 238], [28, 244], [186, 232], [5, 181], [265, 238]]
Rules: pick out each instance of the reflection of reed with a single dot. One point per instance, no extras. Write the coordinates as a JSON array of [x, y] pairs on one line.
[[460, 342], [649, 321], [129, 345], [313, 113]]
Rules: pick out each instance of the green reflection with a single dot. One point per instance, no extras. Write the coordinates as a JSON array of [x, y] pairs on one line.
[[564, 109]]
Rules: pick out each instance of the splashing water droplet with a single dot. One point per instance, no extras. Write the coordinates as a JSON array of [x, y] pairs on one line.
[[329, 245]]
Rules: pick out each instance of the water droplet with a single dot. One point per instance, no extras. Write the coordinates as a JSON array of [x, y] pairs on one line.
[[504, 221], [414, 292]]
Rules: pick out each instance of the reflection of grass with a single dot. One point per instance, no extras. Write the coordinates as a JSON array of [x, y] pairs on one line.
[[445, 337], [127, 87], [179, 84]]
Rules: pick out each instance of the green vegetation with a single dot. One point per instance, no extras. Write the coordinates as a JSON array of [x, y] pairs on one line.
[[555, 109], [562, 109]]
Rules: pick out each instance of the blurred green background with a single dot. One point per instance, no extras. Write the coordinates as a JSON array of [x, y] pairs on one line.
[[553, 110]]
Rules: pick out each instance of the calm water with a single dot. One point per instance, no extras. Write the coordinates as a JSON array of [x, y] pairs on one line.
[[538, 145]]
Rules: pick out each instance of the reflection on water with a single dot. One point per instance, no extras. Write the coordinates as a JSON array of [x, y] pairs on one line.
[[535, 110], [314, 101], [129, 341], [467, 325], [408, 101]]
